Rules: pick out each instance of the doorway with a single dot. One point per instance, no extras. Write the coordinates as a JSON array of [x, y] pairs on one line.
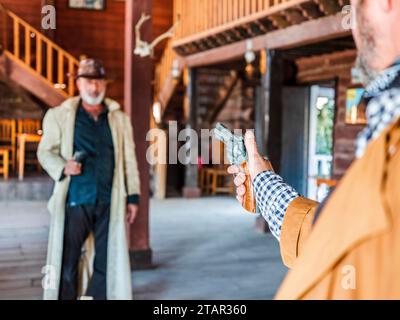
[[308, 115], [320, 148]]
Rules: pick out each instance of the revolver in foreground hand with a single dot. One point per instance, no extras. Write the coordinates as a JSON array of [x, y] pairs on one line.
[[237, 155]]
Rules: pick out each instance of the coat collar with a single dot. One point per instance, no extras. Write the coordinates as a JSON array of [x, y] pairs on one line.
[[356, 211], [72, 104]]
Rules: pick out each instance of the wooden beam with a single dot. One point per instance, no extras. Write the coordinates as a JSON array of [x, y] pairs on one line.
[[328, 6], [191, 188], [295, 16], [268, 101], [306, 33], [279, 21], [310, 10], [138, 101], [27, 79]]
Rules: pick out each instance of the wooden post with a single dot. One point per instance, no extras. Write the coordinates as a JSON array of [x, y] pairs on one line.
[[191, 188], [16, 38], [5, 31], [268, 115], [138, 101], [262, 105]]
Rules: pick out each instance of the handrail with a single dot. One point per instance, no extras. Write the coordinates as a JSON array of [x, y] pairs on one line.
[[202, 16], [38, 53]]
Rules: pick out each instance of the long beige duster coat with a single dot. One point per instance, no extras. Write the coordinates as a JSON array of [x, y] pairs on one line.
[[54, 150], [353, 250]]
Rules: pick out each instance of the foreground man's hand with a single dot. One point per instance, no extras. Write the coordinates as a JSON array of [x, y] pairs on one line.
[[256, 162], [72, 168], [132, 211]]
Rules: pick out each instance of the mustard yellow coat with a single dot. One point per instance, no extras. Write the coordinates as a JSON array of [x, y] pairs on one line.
[[353, 250], [55, 148]]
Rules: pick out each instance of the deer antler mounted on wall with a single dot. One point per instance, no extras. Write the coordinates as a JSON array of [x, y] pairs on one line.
[[143, 48]]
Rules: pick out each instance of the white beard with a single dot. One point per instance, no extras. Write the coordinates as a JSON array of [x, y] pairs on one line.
[[93, 101]]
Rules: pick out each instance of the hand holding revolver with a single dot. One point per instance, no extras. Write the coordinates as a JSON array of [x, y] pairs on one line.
[[256, 165], [246, 163]]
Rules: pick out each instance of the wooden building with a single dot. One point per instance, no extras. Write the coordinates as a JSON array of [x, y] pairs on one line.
[[35, 63], [262, 64], [304, 58]]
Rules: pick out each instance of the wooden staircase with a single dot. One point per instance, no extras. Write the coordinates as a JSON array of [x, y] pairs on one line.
[[215, 87], [221, 96], [34, 61]]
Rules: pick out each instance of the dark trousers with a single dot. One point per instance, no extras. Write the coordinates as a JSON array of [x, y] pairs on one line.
[[79, 222]]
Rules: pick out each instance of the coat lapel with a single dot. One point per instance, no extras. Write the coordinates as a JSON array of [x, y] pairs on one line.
[[355, 212], [112, 107], [71, 106]]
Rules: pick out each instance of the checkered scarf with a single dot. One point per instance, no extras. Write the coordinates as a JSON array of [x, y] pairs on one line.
[[383, 106]]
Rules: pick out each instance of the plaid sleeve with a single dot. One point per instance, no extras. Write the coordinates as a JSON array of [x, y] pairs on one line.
[[273, 198]]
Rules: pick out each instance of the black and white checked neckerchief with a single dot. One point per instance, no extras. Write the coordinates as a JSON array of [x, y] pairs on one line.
[[382, 97]]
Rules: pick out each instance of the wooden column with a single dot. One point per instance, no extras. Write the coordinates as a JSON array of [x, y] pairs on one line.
[[191, 188], [268, 116], [138, 101], [262, 106]]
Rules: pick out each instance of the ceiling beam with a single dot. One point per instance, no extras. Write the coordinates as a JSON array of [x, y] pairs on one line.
[[298, 35]]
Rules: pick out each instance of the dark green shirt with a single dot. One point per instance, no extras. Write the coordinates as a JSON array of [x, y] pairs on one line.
[[93, 138]]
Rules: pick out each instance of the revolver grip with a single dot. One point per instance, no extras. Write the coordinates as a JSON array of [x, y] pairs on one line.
[[249, 201]]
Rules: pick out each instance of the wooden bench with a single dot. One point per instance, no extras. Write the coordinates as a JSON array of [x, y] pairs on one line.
[[214, 181], [24, 138], [8, 139]]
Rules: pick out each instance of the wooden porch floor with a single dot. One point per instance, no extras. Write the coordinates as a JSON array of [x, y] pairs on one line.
[[23, 244], [203, 249]]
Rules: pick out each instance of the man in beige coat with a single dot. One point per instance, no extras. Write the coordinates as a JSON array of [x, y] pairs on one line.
[[88, 149], [348, 247]]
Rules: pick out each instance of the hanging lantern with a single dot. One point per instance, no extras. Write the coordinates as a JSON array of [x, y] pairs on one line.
[[250, 57]]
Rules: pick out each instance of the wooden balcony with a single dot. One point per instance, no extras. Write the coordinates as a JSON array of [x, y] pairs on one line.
[[204, 25], [207, 24]]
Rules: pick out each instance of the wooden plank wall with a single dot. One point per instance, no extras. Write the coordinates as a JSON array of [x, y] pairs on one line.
[[162, 21], [29, 10], [98, 34]]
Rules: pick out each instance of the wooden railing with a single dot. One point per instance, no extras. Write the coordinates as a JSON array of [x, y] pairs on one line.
[[200, 19], [195, 18], [29, 47], [198, 16]]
